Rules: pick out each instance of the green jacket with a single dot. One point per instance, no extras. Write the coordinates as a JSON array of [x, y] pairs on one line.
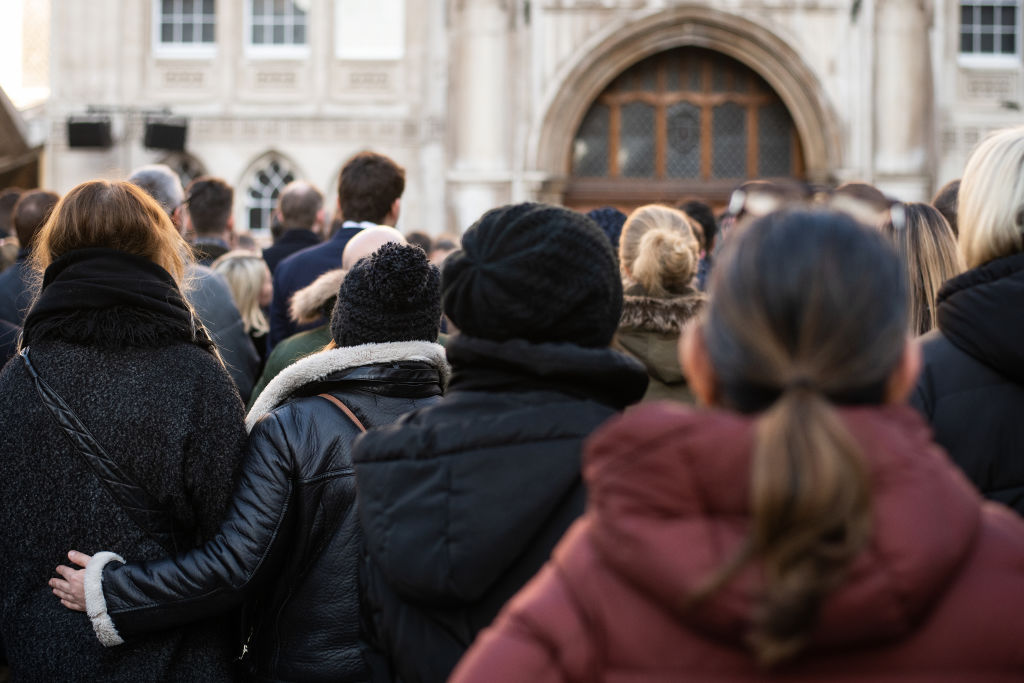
[[649, 331]]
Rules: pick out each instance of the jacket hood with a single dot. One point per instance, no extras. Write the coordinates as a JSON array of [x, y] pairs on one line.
[[981, 312], [602, 374], [650, 330], [320, 365], [307, 304], [669, 507], [667, 315]]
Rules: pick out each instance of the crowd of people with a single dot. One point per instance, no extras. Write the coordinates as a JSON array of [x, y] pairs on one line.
[[780, 442]]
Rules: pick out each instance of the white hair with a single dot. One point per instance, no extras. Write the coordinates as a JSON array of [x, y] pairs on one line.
[[991, 211], [160, 183]]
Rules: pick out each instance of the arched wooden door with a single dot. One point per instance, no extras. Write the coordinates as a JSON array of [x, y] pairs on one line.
[[688, 122]]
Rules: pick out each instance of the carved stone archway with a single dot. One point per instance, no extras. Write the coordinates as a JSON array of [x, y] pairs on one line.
[[614, 50]]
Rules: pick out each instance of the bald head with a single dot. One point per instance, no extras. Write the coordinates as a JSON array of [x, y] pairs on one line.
[[367, 242]]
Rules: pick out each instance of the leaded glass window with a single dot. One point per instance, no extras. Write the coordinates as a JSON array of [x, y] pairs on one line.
[[590, 150], [636, 144], [688, 114], [186, 166], [261, 195], [683, 140]]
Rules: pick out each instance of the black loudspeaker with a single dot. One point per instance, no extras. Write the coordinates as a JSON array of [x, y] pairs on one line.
[[91, 132], [166, 134]]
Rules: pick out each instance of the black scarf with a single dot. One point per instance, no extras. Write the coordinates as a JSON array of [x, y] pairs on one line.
[[112, 299]]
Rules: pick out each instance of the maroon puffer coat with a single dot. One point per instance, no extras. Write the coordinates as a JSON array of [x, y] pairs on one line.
[[937, 596]]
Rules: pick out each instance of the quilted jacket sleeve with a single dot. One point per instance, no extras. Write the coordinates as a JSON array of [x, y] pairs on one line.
[[250, 545]]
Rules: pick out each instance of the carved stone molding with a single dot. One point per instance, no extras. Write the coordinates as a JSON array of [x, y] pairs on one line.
[[263, 82], [994, 86], [189, 80], [353, 81], [397, 132]]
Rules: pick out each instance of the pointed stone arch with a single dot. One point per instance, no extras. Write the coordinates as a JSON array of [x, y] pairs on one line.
[[621, 45], [265, 175]]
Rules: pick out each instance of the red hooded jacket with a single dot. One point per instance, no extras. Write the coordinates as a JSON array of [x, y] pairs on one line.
[[938, 595]]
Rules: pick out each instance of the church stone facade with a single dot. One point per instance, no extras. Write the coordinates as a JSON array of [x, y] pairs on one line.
[[584, 102]]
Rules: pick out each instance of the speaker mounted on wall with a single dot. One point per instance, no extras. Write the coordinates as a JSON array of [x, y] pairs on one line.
[[168, 134], [89, 132]]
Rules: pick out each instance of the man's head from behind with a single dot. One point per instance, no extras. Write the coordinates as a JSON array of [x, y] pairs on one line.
[[163, 185], [208, 202], [300, 206], [30, 213], [534, 272], [370, 189]]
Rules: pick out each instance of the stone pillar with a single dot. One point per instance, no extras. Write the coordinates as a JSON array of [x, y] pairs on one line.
[[904, 98], [479, 176]]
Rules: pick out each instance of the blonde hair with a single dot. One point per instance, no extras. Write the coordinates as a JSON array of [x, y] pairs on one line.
[[115, 215], [245, 273], [991, 211], [658, 249], [927, 245]]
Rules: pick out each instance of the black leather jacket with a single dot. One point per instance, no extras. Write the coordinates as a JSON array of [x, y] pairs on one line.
[[291, 541]]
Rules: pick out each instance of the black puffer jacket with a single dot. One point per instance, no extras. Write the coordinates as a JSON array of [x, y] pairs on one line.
[[291, 531], [462, 502], [971, 388]]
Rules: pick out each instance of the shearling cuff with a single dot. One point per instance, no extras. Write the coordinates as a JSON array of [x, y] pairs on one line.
[[95, 603]]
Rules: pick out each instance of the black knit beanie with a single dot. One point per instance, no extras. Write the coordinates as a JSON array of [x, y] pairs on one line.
[[392, 295], [610, 220], [534, 272]]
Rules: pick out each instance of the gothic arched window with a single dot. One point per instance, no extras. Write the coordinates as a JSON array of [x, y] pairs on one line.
[[688, 120], [264, 186], [186, 166]]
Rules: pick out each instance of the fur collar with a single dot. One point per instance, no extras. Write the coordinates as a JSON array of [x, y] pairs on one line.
[[667, 316], [307, 304], [320, 365]]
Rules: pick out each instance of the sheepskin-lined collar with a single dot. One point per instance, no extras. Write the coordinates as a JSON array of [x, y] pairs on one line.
[[667, 316], [307, 304], [320, 365]]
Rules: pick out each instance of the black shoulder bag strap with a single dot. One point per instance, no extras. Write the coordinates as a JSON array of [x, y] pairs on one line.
[[142, 507]]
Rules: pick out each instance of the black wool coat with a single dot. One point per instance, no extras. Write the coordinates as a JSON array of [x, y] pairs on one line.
[[168, 415], [462, 502], [971, 388], [290, 543]]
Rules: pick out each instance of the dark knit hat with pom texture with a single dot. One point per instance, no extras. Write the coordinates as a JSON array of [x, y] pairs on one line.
[[392, 295], [534, 272]]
